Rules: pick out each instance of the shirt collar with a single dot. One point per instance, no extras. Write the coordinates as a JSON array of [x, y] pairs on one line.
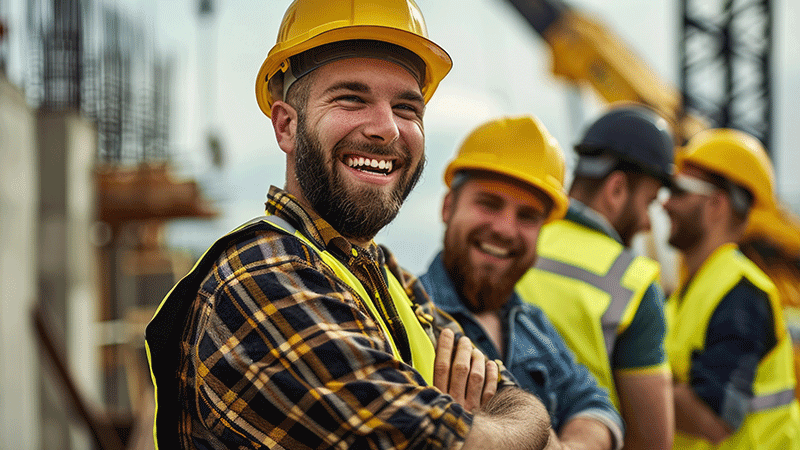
[[582, 214], [284, 205]]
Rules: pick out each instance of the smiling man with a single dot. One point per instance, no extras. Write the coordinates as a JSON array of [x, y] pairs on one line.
[[296, 330], [505, 183]]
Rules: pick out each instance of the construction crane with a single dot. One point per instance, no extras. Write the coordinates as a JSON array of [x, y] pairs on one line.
[[585, 52]]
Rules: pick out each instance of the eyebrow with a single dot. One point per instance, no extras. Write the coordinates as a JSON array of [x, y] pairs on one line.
[[413, 96], [347, 85], [357, 86]]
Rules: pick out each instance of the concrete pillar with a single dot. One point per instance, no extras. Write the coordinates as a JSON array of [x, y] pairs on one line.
[[19, 195], [68, 286]]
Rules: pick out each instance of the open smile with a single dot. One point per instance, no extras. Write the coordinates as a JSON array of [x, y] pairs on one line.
[[494, 250], [370, 165]]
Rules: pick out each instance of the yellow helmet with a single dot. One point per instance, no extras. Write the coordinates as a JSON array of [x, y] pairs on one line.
[[311, 23], [778, 226], [518, 147], [735, 156]]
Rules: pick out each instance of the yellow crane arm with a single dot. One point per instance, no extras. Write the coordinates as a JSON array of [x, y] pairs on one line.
[[585, 52]]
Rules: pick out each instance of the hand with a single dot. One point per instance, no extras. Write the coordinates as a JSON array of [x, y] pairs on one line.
[[468, 376]]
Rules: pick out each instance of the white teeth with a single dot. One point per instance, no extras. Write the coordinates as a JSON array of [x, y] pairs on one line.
[[359, 162], [494, 250]]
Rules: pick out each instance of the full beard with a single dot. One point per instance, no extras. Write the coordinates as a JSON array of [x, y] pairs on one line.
[[686, 234], [627, 225], [357, 212], [483, 287]]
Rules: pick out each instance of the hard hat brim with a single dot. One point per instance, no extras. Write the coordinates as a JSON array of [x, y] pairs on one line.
[[549, 187]]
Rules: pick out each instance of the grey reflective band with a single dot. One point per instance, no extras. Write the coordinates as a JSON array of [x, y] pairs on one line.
[[775, 400], [610, 283]]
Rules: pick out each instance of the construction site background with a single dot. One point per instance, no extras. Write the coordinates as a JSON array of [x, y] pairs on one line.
[[130, 139]]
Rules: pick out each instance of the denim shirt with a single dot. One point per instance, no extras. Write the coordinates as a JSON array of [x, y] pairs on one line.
[[536, 355]]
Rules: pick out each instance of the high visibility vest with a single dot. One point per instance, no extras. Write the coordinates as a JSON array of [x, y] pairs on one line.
[[774, 418], [163, 333], [590, 286]]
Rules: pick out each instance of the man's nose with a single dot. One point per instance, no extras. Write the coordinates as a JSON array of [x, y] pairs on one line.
[[505, 223], [382, 124]]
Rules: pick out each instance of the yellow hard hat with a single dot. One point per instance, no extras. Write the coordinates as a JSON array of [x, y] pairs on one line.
[[735, 156], [778, 226], [517, 147], [311, 23]]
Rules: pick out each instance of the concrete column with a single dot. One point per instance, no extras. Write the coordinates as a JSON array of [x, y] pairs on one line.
[[19, 195], [67, 261]]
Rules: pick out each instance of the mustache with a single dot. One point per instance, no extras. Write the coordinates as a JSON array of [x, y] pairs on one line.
[[392, 149], [485, 234]]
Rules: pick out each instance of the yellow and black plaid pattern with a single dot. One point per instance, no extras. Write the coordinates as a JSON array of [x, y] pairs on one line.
[[279, 353]]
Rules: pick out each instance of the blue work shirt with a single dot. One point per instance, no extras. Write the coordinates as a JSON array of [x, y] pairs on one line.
[[535, 354]]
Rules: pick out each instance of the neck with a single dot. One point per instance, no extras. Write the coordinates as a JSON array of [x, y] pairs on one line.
[[493, 326], [595, 204], [358, 242], [694, 258]]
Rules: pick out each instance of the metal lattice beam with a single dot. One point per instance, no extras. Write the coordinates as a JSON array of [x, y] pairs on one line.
[[726, 63]]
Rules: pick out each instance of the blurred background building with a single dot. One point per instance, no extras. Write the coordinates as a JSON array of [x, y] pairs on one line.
[[88, 187], [130, 140]]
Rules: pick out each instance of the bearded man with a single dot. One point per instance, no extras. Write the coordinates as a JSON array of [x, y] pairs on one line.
[[296, 331], [505, 183], [603, 298], [727, 341]]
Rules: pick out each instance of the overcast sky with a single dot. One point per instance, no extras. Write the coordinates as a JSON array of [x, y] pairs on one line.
[[500, 67]]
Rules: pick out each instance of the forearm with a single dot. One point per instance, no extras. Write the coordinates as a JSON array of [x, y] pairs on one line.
[[586, 434], [647, 405], [693, 416], [513, 419]]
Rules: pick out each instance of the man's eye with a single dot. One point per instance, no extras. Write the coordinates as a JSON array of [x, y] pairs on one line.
[[489, 204], [534, 218], [407, 108], [349, 99]]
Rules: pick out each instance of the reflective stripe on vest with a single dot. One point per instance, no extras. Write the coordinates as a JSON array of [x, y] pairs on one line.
[[610, 283], [769, 401]]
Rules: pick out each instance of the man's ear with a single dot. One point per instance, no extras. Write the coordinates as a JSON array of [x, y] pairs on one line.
[[613, 194], [447, 206], [284, 122], [719, 207]]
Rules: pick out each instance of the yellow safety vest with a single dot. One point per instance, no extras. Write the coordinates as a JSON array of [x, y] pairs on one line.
[[163, 333], [774, 418], [590, 286]]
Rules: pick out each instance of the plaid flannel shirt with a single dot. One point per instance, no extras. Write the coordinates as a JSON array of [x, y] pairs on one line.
[[278, 352]]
